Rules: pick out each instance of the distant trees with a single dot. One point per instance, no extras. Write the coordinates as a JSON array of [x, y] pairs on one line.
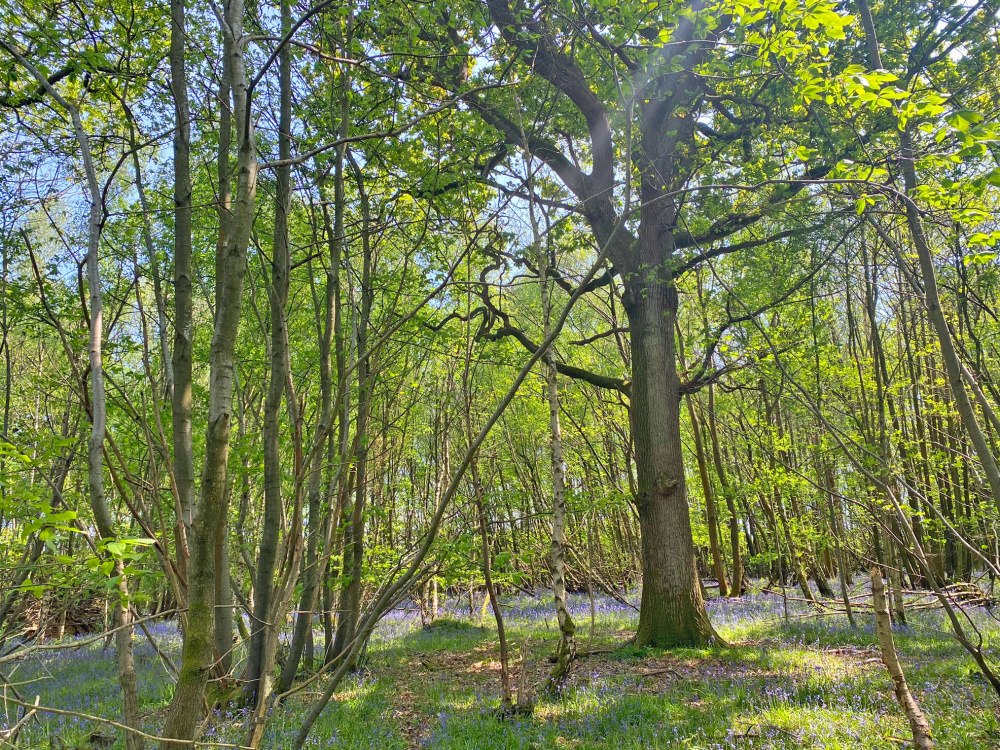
[[488, 297]]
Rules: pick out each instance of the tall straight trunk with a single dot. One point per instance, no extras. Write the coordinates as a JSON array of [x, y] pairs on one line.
[[711, 515], [321, 521], [181, 358], [932, 301], [672, 611], [794, 559], [843, 575], [881, 396], [566, 648], [95, 453], [257, 679], [736, 584], [350, 599], [198, 652], [154, 261]]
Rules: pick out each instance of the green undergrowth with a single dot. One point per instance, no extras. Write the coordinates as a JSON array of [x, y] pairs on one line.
[[813, 682]]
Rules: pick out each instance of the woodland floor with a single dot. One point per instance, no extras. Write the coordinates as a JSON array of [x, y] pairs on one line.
[[811, 683]]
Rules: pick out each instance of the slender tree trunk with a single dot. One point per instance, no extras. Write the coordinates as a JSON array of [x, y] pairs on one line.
[[95, 462], [842, 574], [98, 409], [506, 693], [258, 677], [711, 515], [198, 652], [736, 585], [566, 648], [954, 368], [350, 598], [774, 419], [918, 722], [181, 360]]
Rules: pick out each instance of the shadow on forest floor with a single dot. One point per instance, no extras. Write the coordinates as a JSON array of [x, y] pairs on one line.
[[812, 682]]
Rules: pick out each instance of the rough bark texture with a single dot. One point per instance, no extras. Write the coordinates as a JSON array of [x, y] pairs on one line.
[[672, 612]]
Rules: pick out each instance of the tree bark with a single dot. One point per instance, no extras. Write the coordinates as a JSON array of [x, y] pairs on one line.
[[736, 584], [918, 722], [672, 611], [198, 653], [181, 362], [258, 677]]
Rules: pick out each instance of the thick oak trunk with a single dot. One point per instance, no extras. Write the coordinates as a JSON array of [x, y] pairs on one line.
[[672, 612]]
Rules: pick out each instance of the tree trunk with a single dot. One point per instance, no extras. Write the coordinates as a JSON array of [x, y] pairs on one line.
[[350, 595], [672, 611], [919, 726], [843, 575], [98, 410], [711, 516], [929, 294], [566, 648], [736, 585], [198, 652], [223, 594], [257, 680], [181, 363]]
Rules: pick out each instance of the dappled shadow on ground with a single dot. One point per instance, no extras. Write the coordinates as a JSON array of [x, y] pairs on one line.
[[811, 682], [752, 698]]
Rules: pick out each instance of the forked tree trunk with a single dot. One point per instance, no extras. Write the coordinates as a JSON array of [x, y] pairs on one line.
[[198, 653]]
